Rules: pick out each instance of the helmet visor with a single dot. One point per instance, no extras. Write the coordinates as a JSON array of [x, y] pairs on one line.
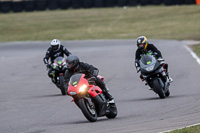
[[141, 45], [69, 65], [55, 47]]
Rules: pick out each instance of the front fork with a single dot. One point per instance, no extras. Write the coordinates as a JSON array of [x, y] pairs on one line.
[[56, 78], [161, 74], [53, 73], [91, 103]]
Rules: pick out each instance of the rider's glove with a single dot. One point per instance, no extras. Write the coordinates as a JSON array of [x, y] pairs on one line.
[[137, 69], [91, 80], [161, 60], [155, 53], [48, 66], [95, 72], [137, 65]]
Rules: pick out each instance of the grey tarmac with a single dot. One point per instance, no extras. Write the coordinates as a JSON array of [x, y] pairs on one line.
[[30, 103]]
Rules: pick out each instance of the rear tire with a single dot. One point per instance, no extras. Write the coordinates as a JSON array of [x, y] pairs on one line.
[[167, 93], [158, 88], [88, 112], [113, 112]]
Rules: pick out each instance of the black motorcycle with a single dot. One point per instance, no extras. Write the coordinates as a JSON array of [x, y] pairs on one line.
[[59, 67], [155, 75]]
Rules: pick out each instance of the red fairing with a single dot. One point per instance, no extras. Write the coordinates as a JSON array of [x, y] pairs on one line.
[[71, 89], [94, 91], [76, 88]]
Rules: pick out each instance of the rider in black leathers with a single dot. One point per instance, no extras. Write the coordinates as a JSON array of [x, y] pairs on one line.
[[75, 66], [53, 52], [145, 48]]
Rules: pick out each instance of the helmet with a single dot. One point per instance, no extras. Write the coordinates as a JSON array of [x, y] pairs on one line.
[[72, 62], [55, 44], [142, 42]]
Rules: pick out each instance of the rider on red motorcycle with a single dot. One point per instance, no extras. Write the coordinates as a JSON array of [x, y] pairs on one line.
[[75, 66], [145, 48]]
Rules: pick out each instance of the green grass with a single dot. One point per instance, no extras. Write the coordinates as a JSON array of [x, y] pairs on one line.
[[157, 22], [193, 129], [196, 49]]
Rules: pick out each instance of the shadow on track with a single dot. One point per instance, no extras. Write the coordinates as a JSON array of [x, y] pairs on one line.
[[152, 98], [44, 96], [81, 122]]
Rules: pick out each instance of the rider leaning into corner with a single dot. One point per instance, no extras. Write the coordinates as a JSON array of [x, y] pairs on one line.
[[145, 48], [75, 66], [54, 51]]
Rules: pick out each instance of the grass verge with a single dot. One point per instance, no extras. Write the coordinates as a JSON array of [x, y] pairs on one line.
[[196, 49], [156, 22], [193, 129]]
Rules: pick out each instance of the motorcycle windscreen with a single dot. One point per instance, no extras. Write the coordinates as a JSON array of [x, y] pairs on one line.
[[148, 64], [74, 80], [59, 59], [146, 60]]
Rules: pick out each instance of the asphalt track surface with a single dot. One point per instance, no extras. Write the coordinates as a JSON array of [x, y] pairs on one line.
[[30, 103]]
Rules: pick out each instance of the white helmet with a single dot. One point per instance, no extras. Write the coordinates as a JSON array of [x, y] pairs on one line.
[[55, 44]]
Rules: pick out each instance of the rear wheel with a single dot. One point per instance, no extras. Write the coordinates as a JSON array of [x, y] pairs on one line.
[[167, 93], [88, 110], [158, 88], [113, 112]]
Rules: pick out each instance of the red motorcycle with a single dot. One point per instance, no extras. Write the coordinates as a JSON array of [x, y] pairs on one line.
[[89, 98]]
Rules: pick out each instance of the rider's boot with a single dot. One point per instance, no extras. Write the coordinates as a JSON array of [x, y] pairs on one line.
[[141, 77], [170, 79], [52, 78], [105, 90], [108, 96]]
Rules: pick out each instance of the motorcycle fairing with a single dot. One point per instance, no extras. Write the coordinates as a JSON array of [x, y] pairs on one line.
[[148, 61], [59, 64], [102, 104], [94, 91]]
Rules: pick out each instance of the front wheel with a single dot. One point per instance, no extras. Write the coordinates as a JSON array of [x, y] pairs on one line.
[[158, 88], [62, 85], [88, 110]]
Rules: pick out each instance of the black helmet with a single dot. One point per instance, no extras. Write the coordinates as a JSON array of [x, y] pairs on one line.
[[142, 42], [72, 62]]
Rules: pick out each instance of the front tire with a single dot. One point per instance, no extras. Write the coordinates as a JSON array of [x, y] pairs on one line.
[[62, 85], [89, 112], [158, 88]]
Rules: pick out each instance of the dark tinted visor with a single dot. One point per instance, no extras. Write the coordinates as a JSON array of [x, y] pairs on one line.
[[55, 47], [69, 65]]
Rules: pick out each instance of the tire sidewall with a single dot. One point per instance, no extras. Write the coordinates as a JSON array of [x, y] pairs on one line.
[[158, 88], [85, 111]]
